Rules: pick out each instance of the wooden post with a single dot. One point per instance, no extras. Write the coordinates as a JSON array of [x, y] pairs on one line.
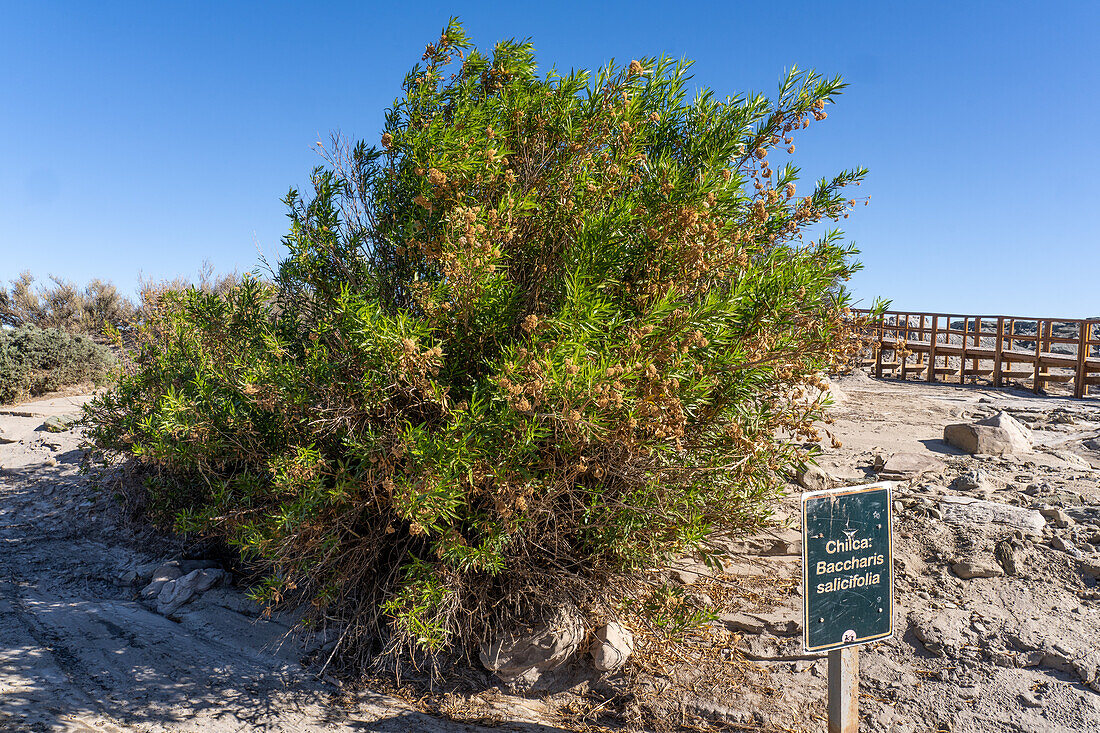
[[974, 364], [905, 348], [932, 349], [1083, 329], [1088, 348], [878, 351], [844, 690], [962, 359], [997, 351], [920, 354], [1046, 350], [1035, 383]]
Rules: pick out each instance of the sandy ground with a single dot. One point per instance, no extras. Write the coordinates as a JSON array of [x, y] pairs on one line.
[[1016, 651]]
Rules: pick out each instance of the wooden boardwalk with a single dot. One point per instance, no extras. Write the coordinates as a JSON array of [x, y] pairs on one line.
[[958, 347]]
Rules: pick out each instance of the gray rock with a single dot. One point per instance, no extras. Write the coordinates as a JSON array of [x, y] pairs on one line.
[[1066, 546], [613, 646], [813, 478], [742, 622], [773, 622], [1091, 566], [974, 480], [1019, 436], [1057, 517], [60, 423], [521, 659], [906, 466], [998, 435], [717, 713], [164, 573], [768, 648], [977, 439], [5, 438], [980, 513], [177, 592], [977, 568], [785, 541], [942, 632]]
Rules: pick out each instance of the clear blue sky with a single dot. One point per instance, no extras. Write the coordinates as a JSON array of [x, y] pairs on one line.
[[150, 136]]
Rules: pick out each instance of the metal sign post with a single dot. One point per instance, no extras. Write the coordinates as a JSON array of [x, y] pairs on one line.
[[847, 584]]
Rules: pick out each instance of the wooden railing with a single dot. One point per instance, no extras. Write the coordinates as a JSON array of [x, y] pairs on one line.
[[997, 348]]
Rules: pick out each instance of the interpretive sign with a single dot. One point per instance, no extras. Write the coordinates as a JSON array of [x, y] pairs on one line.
[[847, 569]]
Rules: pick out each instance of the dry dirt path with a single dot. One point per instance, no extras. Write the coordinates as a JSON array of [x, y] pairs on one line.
[[80, 652]]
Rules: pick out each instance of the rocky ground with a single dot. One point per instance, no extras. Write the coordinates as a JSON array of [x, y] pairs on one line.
[[997, 606], [996, 562]]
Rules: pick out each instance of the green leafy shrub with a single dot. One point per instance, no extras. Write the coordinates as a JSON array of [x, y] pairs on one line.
[[554, 331], [34, 361]]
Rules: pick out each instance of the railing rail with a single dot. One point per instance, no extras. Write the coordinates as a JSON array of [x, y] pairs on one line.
[[995, 347]]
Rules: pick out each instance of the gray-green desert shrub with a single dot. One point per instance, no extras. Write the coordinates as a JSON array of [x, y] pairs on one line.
[[34, 361]]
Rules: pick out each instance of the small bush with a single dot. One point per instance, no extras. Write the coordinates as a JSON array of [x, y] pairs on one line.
[[92, 311], [554, 331], [98, 310], [34, 361]]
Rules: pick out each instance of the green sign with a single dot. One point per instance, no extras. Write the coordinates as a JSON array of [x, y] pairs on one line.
[[847, 567]]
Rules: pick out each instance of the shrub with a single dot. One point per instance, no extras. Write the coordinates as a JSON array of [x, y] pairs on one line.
[[554, 331], [34, 361], [92, 311], [98, 310]]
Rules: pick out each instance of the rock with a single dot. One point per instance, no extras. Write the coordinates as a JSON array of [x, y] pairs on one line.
[[613, 646], [974, 480], [1058, 517], [4, 438], [126, 578], [1066, 546], [1019, 435], [813, 478], [998, 435], [905, 466], [976, 568], [768, 648], [523, 658], [1007, 557], [742, 622], [977, 439], [717, 713], [177, 592], [773, 622], [1071, 458], [942, 632], [60, 423], [785, 541], [1090, 566], [164, 573], [979, 512]]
